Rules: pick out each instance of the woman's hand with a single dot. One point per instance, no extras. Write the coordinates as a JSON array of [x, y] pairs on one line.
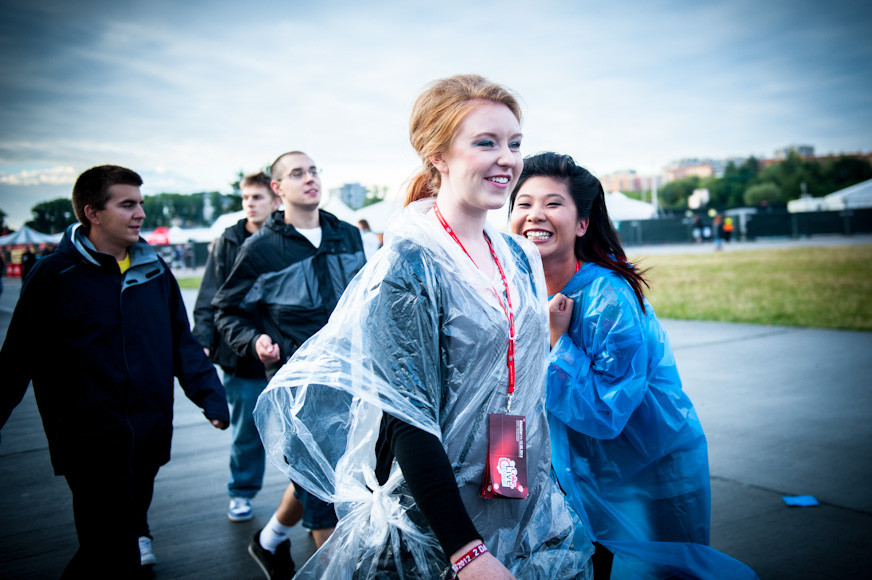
[[485, 567], [560, 315]]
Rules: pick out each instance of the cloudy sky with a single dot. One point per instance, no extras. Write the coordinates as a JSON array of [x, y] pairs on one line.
[[191, 93]]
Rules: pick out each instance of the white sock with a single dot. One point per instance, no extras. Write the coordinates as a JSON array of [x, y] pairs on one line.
[[273, 534]]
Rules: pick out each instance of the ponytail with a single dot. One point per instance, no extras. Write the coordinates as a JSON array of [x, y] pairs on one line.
[[423, 185]]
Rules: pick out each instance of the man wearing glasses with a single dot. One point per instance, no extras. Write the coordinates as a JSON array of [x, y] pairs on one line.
[[285, 282]]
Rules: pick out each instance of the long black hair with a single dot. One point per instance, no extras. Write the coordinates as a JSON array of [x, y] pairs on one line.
[[600, 244]]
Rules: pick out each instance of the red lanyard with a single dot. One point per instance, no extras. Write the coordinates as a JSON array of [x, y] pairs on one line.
[[508, 311]]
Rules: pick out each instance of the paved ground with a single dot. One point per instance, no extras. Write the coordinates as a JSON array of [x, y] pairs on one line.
[[786, 411]]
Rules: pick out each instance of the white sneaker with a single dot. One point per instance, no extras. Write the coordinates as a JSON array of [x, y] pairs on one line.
[[239, 510], [146, 556]]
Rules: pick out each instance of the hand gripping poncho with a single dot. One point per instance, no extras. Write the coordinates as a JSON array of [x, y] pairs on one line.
[[628, 446], [420, 335]]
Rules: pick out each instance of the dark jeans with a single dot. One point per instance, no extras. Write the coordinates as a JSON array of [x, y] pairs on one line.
[[110, 511], [317, 514]]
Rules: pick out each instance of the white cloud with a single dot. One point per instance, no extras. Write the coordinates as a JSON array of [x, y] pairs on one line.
[[61, 175]]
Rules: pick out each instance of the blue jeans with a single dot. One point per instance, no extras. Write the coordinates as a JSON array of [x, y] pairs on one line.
[[317, 514], [247, 457]]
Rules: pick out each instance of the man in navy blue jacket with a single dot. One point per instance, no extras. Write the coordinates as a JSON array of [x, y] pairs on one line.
[[104, 390]]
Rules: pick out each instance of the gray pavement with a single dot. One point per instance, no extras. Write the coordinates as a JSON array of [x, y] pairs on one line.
[[787, 411]]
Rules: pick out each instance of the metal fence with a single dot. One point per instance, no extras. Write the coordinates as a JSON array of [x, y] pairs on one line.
[[798, 225], [763, 224]]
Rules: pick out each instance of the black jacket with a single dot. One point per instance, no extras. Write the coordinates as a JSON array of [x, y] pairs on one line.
[[282, 286], [101, 349], [218, 266]]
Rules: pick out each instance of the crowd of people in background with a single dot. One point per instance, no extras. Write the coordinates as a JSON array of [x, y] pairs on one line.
[[429, 352], [720, 230]]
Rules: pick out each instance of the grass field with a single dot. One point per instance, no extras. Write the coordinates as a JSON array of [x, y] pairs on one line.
[[189, 283], [820, 287]]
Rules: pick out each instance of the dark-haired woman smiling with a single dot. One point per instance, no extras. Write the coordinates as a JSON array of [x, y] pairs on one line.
[[627, 445]]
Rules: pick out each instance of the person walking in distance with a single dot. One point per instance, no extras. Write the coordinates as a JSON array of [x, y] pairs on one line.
[[244, 375]]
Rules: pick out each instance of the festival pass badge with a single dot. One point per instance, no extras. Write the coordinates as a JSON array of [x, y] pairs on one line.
[[505, 474]]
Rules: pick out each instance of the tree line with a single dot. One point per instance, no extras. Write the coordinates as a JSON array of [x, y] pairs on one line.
[[162, 209], [750, 184]]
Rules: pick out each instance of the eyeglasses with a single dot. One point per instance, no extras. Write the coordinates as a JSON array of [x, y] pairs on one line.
[[298, 173]]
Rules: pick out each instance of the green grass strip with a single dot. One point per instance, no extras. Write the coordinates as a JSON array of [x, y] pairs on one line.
[[820, 287]]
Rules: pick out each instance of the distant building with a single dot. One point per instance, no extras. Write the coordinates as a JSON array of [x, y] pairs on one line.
[[351, 194], [857, 155], [627, 180], [804, 151], [630, 181], [699, 169]]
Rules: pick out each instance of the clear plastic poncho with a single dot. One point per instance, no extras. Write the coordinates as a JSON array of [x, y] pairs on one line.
[[420, 334], [628, 447]]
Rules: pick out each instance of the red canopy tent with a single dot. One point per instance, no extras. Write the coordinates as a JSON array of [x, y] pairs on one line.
[[159, 237]]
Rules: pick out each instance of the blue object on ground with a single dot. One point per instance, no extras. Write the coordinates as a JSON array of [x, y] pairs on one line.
[[800, 500]]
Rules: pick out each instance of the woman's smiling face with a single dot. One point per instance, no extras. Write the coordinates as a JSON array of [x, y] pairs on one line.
[[484, 160], [545, 214]]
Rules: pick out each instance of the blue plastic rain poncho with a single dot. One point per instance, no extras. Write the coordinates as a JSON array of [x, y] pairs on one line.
[[419, 334], [627, 445]]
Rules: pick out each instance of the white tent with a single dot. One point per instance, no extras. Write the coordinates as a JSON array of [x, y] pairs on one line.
[[857, 196], [335, 206], [622, 208], [805, 203], [378, 215], [225, 221], [28, 235], [179, 235]]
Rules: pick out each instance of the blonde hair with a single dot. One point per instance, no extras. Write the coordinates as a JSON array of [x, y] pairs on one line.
[[437, 114]]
